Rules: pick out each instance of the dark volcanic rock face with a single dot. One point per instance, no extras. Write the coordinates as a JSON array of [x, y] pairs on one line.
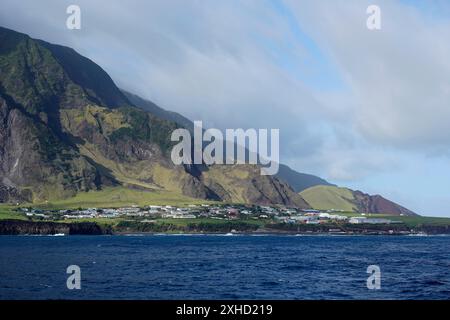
[[378, 204], [272, 188], [33, 157], [11, 194], [35, 153], [16, 227]]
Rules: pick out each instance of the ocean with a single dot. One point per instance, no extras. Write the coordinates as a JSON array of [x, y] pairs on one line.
[[225, 267]]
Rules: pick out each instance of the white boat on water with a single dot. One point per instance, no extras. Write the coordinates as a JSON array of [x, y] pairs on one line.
[[58, 235]]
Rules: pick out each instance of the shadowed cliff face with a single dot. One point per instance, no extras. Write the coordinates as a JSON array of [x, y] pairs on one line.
[[33, 157], [15, 227], [378, 204], [66, 128]]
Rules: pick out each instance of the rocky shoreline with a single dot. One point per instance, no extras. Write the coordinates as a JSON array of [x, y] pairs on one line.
[[22, 227]]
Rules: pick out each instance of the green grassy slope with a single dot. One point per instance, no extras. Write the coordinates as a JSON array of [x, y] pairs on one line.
[[6, 212], [118, 197], [329, 197]]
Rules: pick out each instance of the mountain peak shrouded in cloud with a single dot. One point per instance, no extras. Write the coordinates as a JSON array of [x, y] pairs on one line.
[[97, 85], [88, 74], [65, 134], [362, 108]]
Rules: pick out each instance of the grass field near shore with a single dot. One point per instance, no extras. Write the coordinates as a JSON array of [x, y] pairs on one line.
[[120, 197], [7, 212]]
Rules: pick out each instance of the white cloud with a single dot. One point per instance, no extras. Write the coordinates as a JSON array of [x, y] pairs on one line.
[[399, 77]]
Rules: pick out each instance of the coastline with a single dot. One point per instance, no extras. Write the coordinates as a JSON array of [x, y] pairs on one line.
[[44, 228]]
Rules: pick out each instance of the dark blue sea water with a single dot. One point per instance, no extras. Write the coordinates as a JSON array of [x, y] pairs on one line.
[[221, 267]]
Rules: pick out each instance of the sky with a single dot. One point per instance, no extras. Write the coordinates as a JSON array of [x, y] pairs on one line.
[[365, 109]]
